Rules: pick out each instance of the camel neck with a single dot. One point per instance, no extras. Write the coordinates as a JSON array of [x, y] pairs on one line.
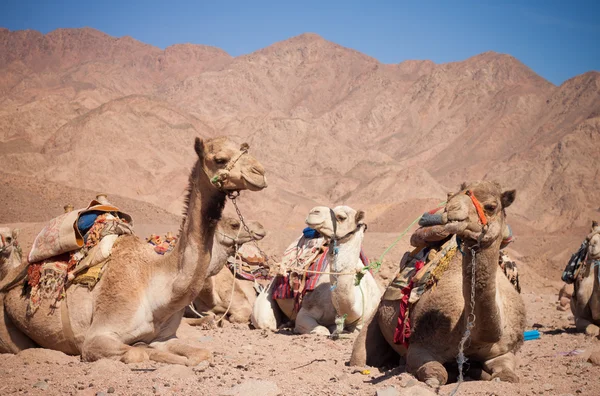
[[346, 262], [488, 322], [9, 262], [191, 256], [220, 254]]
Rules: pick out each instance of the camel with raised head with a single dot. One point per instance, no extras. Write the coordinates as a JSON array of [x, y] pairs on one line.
[[439, 318], [216, 296], [134, 311], [585, 301], [10, 252], [336, 295]]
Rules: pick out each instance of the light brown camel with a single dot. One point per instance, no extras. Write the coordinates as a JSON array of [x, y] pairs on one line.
[[216, 294], [10, 252], [564, 297], [585, 302], [439, 318], [336, 294], [134, 311]]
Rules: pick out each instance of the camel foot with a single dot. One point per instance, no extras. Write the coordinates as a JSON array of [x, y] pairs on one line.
[[198, 356], [206, 322], [178, 352], [320, 330], [432, 372], [135, 355], [506, 375], [502, 367], [592, 330]]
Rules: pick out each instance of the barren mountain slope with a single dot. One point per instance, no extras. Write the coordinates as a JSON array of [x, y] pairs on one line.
[[330, 124]]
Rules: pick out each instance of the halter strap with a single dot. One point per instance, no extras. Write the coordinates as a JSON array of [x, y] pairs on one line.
[[334, 223], [217, 180], [478, 207]]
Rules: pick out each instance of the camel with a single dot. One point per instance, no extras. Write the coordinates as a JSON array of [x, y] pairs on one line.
[[564, 297], [336, 295], [585, 302], [439, 318], [10, 252], [134, 311], [215, 295]]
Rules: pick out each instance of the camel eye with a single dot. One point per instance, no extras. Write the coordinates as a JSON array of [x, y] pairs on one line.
[[235, 226], [220, 161], [340, 217], [490, 207]]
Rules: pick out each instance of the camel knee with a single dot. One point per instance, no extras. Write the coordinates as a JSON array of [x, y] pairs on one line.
[[425, 366], [592, 330], [100, 347], [432, 371]]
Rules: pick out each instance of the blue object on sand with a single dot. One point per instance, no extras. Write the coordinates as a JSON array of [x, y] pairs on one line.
[[531, 335]]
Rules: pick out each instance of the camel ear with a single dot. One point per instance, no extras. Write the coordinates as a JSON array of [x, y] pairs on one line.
[[15, 233], [463, 186], [508, 197], [199, 147], [594, 224], [360, 217]]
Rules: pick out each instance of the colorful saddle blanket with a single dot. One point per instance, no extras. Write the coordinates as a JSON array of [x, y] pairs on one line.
[[420, 270], [50, 277], [250, 264]]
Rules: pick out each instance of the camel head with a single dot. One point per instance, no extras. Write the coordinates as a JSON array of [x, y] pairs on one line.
[[8, 241], [230, 231], [341, 221], [594, 242], [476, 204], [229, 166]]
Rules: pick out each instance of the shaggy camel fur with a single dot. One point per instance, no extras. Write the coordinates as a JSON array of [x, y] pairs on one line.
[[215, 296], [10, 253], [134, 311], [439, 318], [585, 302], [336, 295]]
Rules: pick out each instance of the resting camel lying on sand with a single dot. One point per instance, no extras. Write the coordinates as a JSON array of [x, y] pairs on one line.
[[133, 313], [438, 319], [585, 301], [336, 295], [216, 295]]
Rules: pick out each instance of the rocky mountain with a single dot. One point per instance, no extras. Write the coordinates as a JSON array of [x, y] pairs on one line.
[[81, 109]]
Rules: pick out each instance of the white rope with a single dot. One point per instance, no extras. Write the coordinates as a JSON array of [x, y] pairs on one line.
[[236, 256], [461, 359]]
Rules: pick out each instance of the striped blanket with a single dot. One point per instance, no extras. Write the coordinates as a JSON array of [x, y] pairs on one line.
[[297, 283]]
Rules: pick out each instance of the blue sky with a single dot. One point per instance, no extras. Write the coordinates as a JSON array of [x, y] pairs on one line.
[[557, 39]]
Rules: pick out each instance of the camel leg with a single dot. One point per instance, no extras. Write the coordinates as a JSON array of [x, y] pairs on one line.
[[502, 367], [371, 348], [306, 324], [425, 366], [12, 340], [178, 352], [587, 327], [208, 320], [108, 346], [265, 311]]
